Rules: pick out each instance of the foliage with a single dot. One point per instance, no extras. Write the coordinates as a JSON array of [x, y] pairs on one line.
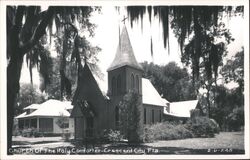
[[28, 95], [233, 70], [201, 35], [203, 127], [61, 121], [188, 21], [87, 53], [73, 50], [166, 131], [28, 26], [130, 119], [236, 119], [112, 135], [171, 81]]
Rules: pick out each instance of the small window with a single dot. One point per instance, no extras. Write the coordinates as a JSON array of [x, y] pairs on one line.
[[119, 84], [20, 124], [153, 116], [145, 116], [160, 115], [33, 123], [113, 85], [137, 83], [132, 81]]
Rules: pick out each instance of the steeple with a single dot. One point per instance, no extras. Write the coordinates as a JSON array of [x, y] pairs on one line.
[[124, 53]]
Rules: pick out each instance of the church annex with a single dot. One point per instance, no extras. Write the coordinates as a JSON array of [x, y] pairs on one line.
[[95, 110]]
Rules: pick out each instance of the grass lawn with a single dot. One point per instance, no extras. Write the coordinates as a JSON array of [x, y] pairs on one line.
[[223, 143], [19, 140], [234, 140]]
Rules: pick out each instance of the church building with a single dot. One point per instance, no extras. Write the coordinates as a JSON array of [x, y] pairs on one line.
[[96, 109]]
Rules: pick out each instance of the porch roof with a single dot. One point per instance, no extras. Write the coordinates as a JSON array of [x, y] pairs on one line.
[[51, 107]]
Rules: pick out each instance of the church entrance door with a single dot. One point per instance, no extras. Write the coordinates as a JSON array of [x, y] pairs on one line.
[[90, 126]]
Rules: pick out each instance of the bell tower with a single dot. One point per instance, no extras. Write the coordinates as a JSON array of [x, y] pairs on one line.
[[124, 73]]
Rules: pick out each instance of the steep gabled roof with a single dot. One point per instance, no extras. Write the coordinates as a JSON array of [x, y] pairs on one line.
[[124, 53], [88, 78], [150, 95]]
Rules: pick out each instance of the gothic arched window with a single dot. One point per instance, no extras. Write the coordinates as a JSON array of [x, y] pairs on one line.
[[119, 84], [113, 85], [137, 83], [153, 116], [132, 81]]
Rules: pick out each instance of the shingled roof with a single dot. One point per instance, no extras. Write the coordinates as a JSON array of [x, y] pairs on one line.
[[124, 53]]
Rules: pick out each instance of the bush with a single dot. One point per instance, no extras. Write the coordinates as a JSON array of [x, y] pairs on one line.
[[203, 127], [111, 136], [235, 119], [166, 131]]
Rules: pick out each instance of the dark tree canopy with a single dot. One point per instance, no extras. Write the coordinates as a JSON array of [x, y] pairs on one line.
[[171, 81], [27, 31], [199, 22]]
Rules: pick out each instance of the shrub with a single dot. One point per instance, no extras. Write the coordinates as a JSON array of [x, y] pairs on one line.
[[235, 119], [66, 135], [111, 136], [166, 131], [130, 120], [203, 127]]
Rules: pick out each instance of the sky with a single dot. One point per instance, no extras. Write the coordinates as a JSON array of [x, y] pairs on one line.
[[107, 38]]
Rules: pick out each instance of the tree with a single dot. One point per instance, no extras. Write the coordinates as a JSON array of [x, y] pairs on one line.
[[61, 122], [228, 109], [130, 120], [27, 95], [233, 70], [195, 28], [87, 54], [26, 25], [171, 81], [187, 21]]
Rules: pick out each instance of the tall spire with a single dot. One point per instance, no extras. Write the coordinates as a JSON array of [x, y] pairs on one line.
[[124, 53]]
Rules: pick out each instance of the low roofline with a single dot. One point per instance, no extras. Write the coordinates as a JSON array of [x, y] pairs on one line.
[[33, 116], [185, 101]]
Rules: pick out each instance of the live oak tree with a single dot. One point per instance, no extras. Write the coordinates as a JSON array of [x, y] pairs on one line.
[[27, 28], [26, 25], [195, 28], [28, 95], [171, 81], [233, 70]]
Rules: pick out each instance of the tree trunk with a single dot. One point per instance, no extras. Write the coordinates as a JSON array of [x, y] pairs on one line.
[[16, 52], [13, 77]]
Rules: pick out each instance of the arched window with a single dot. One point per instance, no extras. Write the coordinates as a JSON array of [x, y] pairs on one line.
[[132, 81], [145, 116], [113, 86], [137, 83], [153, 116], [119, 84], [160, 115], [117, 116]]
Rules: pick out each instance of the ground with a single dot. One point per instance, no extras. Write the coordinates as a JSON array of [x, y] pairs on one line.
[[223, 143]]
